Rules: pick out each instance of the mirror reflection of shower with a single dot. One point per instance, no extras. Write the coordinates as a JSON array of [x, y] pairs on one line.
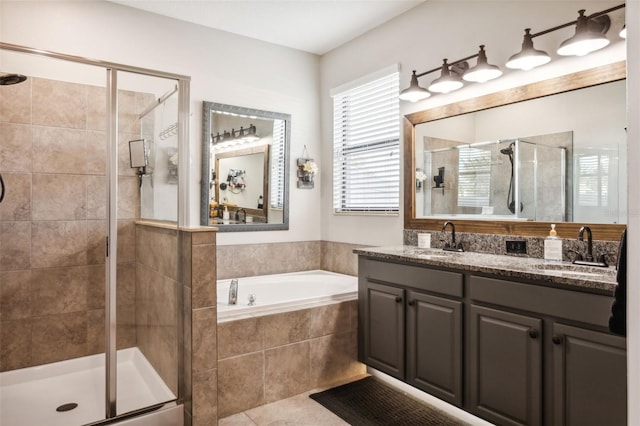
[[511, 193], [7, 79]]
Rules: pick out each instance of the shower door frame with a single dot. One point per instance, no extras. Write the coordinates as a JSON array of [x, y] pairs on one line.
[[183, 81]]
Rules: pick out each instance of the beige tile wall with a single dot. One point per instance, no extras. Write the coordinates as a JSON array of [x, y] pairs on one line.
[[156, 295], [265, 359], [237, 261], [52, 221], [200, 368]]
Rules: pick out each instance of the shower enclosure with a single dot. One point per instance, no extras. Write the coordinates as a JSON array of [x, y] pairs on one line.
[[515, 179], [91, 306]]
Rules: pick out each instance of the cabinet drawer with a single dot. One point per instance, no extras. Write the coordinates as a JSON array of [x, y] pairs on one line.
[[587, 308], [443, 282]]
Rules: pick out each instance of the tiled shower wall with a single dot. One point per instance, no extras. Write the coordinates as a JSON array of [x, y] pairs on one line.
[[156, 295], [52, 221]]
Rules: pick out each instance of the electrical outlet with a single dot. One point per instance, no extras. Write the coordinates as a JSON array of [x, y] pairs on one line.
[[519, 247]]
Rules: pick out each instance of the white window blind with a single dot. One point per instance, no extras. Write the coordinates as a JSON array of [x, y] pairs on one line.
[[276, 197], [366, 147], [593, 180], [474, 180]]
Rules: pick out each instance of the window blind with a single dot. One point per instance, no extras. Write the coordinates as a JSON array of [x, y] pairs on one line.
[[276, 197], [593, 180], [474, 180], [366, 147]]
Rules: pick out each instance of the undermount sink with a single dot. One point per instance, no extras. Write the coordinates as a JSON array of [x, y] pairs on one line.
[[571, 269]]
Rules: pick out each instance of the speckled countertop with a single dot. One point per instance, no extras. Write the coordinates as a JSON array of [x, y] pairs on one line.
[[562, 275]]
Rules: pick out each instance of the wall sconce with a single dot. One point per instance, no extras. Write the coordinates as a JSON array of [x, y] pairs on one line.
[[589, 37], [307, 169]]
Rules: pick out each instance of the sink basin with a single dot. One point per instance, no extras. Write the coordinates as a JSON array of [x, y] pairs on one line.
[[571, 269]]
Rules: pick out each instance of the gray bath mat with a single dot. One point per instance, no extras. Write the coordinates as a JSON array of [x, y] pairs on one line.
[[369, 402]]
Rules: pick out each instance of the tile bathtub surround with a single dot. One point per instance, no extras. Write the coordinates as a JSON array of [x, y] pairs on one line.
[[52, 222], [200, 366], [272, 357], [496, 244], [237, 261]]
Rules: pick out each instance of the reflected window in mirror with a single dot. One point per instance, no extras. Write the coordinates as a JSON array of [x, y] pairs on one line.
[[244, 168]]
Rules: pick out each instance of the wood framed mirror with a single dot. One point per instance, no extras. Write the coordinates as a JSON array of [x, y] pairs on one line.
[[568, 83]]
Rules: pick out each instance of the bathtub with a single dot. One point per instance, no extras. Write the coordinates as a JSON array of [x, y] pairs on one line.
[[30, 396], [285, 292]]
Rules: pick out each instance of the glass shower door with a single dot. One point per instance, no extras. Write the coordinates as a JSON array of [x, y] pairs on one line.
[[52, 242], [147, 317]]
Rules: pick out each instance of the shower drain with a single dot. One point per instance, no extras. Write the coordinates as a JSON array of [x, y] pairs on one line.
[[66, 407]]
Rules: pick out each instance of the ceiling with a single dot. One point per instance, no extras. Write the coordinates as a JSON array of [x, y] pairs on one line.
[[315, 26]]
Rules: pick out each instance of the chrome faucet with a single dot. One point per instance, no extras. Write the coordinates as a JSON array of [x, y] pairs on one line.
[[233, 292], [452, 246]]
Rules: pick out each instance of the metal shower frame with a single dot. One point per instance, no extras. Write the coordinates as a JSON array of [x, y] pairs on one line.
[[183, 88]]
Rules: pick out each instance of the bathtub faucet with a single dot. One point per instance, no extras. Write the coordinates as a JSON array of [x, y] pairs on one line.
[[233, 292]]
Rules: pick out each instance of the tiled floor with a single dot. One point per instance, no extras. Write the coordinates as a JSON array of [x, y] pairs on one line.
[[300, 410]]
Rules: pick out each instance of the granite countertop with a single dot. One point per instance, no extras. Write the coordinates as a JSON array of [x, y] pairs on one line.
[[554, 274]]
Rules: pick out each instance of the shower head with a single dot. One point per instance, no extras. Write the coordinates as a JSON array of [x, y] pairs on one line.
[[508, 150], [9, 79]]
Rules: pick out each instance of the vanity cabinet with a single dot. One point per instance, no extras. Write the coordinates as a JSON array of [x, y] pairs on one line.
[[505, 372], [434, 346], [384, 329], [584, 395], [512, 352], [409, 329]]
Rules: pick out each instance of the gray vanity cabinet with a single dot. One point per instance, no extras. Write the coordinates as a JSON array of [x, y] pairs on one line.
[[384, 329], [584, 395], [505, 367], [434, 346], [409, 329]]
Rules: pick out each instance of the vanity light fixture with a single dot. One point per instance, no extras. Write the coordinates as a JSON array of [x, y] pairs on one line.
[[239, 136], [414, 92], [447, 82], [589, 36], [529, 57], [623, 32], [483, 71]]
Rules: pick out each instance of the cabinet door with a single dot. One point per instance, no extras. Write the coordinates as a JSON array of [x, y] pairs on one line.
[[590, 377], [434, 345], [384, 329], [505, 367]]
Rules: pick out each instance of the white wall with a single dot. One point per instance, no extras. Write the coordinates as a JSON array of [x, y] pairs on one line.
[[633, 159], [223, 67], [420, 39]]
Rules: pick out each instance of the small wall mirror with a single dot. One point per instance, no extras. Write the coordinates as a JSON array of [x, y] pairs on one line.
[[245, 168]]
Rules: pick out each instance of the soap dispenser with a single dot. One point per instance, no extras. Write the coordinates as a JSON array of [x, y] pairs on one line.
[[225, 216], [553, 246]]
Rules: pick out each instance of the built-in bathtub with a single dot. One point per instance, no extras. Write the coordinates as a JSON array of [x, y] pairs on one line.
[[30, 396], [285, 292], [300, 335]]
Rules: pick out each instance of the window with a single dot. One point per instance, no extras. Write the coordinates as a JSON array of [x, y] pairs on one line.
[[474, 180], [366, 146], [276, 199], [593, 180]]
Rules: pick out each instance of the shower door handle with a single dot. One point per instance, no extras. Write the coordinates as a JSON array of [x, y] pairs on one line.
[[2, 188]]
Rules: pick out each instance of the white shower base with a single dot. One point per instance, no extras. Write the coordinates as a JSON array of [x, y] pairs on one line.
[[30, 396]]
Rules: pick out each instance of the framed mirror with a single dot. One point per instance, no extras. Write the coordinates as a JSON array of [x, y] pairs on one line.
[[245, 168], [494, 165]]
